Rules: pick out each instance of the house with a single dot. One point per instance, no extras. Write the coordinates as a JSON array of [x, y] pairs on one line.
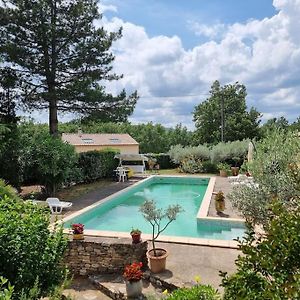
[[84, 142]]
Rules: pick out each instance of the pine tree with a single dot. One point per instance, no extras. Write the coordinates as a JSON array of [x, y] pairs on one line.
[[61, 57]]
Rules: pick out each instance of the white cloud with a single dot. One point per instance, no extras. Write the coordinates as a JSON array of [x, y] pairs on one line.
[[210, 31], [262, 54]]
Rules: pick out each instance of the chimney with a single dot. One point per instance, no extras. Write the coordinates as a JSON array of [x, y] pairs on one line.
[[79, 131]]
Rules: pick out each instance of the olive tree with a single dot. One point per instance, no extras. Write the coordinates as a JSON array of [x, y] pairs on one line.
[[276, 172]]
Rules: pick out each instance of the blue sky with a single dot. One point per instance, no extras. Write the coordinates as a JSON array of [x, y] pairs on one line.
[[170, 17]]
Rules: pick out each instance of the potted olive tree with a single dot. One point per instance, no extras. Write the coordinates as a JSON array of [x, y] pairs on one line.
[[223, 168], [155, 216]]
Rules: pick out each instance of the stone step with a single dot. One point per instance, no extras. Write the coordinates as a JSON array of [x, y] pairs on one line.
[[113, 285]]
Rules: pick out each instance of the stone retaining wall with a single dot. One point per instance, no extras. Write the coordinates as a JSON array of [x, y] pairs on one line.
[[95, 255]]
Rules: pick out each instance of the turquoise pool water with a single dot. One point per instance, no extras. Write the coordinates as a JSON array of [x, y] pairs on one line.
[[121, 213]]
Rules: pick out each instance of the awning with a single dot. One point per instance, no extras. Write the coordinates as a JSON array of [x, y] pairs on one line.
[[131, 157]]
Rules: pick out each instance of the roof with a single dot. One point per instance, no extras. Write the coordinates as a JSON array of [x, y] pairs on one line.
[[99, 139]]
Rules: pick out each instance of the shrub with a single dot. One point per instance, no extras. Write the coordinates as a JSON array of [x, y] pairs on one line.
[[6, 290], [270, 265], [7, 190], [197, 292], [189, 158], [209, 167], [231, 152], [52, 161], [97, 164], [276, 172], [29, 251], [163, 159]]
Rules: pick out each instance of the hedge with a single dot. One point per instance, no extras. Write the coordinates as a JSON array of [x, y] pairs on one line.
[[94, 165]]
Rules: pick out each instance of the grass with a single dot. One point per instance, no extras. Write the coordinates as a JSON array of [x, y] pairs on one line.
[[79, 190]]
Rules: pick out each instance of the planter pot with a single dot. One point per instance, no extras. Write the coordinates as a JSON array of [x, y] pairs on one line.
[[157, 263], [134, 288], [235, 171], [136, 238], [223, 173], [78, 236]]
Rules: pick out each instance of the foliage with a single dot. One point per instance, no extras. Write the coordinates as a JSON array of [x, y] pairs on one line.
[[7, 190], [232, 153], [197, 292], [270, 265], [163, 159], [272, 124], [189, 158], [6, 292], [209, 167], [239, 123], [135, 231], [276, 172], [61, 57], [54, 161], [9, 138], [223, 167], [29, 251], [77, 228], [133, 272], [155, 216], [97, 164]]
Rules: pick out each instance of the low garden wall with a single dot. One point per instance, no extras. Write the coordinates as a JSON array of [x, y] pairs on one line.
[[95, 255]]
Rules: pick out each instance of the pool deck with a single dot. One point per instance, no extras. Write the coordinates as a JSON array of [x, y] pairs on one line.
[[185, 261]]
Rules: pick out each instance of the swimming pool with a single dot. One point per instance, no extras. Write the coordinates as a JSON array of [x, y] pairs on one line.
[[120, 213]]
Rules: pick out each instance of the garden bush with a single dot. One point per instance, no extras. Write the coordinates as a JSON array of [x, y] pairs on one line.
[[232, 153], [276, 172], [270, 265], [197, 292], [189, 159], [163, 159], [30, 253], [97, 164]]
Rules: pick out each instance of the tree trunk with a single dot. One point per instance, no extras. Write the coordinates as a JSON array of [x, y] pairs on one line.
[[53, 121]]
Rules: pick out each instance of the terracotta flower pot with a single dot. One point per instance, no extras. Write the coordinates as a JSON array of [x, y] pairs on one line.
[[134, 288], [235, 171], [223, 173], [78, 236], [157, 263]]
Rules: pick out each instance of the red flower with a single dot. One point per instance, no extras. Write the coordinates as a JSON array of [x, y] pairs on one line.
[[133, 272], [77, 228]]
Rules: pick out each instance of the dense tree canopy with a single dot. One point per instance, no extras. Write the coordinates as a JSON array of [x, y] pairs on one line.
[[238, 123], [9, 137], [61, 57]]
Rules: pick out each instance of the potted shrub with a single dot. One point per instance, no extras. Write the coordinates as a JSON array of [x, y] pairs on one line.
[[220, 202], [77, 230], [136, 235], [223, 168], [133, 279], [155, 216]]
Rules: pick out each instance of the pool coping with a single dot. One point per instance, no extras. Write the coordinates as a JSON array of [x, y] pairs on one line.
[[202, 215]]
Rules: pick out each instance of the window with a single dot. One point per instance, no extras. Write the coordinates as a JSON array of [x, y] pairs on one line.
[[115, 140], [88, 141]]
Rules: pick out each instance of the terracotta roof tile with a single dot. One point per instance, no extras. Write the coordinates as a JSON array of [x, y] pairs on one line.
[[105, 139]]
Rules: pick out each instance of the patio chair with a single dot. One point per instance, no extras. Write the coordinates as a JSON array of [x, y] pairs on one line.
[[56, 206], [121, 173]]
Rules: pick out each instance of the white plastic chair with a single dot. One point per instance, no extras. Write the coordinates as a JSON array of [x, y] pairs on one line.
[[121, 173], [56, 206]]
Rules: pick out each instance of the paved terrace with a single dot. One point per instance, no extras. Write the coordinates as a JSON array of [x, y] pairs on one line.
[[184, 261]]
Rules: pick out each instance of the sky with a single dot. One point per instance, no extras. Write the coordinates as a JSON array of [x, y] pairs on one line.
[[172, 51]]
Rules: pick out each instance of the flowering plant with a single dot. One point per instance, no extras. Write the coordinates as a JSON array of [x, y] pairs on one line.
[[77, 228], [133, 272]]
